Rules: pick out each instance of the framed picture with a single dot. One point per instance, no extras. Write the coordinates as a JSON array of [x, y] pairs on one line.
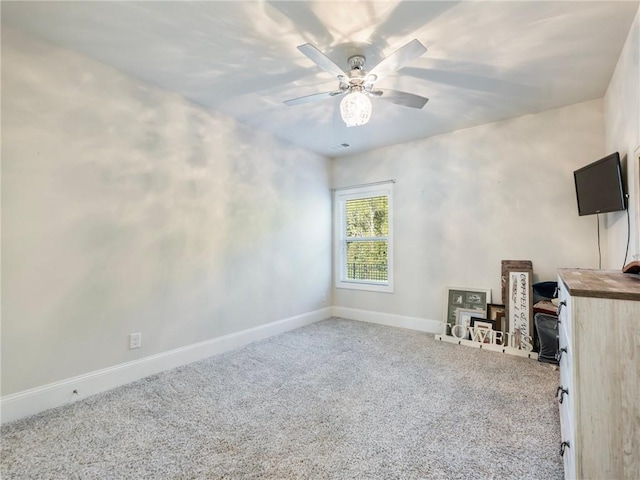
[[464, 318], [486, 325], [497, 313], [464, 298]]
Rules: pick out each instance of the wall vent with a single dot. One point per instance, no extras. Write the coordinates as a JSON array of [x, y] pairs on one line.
[[340, 147]]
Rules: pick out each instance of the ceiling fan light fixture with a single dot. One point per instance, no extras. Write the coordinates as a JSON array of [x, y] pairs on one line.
[[355, 109]]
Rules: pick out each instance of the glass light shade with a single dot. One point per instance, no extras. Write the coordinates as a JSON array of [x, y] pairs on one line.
[[355, 109]]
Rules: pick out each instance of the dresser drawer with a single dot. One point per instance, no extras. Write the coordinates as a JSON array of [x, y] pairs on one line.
[[565, 396], [564, 342], [564, 310], [569, 462], [567, 432]]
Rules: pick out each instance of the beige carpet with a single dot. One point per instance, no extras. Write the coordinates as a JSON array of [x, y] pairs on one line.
[[338, 399]]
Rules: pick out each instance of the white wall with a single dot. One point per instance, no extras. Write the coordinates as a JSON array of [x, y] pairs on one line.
[[464, 201], [128, 209], [622, 134]]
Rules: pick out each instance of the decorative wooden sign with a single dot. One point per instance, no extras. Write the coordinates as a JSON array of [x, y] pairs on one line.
[[520, 304], [517, 295], [512, 265]]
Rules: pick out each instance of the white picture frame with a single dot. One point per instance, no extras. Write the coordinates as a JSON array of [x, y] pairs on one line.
[[463, 318], [482, 331], [520, 302], [484, 325]]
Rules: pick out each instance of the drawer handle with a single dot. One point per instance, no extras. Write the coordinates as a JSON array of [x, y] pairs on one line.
[[563, 447], [560, 352], [562, 391], [562, 304]]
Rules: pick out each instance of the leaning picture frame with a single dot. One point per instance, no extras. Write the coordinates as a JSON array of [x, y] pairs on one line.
[[497, 314], [519, 302], [464, 319], [464, 298], [486, 326]]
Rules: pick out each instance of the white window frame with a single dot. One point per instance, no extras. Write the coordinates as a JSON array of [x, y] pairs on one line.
[[340, 198]]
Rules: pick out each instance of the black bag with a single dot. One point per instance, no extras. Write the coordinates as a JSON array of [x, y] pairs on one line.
[[547, 328], [546, 290]]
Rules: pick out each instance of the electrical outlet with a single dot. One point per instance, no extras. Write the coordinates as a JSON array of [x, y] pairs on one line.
[[135, 340]]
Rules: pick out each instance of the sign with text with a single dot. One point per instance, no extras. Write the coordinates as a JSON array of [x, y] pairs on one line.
[[520, 307]]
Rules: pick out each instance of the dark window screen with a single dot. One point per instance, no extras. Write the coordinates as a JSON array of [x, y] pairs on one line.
[[367, 231]]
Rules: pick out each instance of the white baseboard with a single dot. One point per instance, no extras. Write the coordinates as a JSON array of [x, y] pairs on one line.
[[34, 400], [390, 319]]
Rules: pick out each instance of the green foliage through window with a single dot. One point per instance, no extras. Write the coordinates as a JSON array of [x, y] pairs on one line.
[[367, 228], [367, 217]]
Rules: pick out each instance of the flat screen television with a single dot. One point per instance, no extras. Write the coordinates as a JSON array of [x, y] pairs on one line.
[[599, 186]]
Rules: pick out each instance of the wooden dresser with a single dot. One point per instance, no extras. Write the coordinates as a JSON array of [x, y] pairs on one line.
[[599, 392]]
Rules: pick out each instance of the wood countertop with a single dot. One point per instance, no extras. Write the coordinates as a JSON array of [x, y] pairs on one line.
[[601, 283]]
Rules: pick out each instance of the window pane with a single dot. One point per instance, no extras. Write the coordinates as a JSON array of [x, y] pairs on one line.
[[367, 217], [367, 261]]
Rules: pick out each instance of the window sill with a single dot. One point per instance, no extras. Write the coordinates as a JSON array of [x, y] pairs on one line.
[[371, 287]]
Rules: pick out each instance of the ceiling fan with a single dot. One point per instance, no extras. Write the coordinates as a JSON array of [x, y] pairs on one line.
[[358, 84]]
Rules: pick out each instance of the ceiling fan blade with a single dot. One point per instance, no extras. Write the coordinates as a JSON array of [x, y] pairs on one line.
[[401, 98], [314, 97], [321, 60], [398, 59]]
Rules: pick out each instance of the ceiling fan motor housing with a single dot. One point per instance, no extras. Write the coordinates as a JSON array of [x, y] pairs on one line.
[[357, 62], [357, 73]]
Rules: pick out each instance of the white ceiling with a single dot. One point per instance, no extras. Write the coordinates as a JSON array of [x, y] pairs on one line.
[[485, 60]]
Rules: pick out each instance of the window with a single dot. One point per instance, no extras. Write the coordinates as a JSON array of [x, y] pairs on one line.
[[364, 238]]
